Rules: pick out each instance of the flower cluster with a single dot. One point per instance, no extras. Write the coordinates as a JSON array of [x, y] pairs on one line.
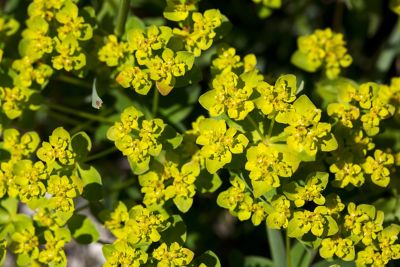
[[232, 86], [147, 58], [266, 164], [178, 10], [54, 35], [259, 190], [137, 228], [169, 182], [322, 48], [199, 36], [358, 112], [240, 202], [152, 148], [219, 143], [63, 43], [137, 138], [47, 186], [291, 164], [365, 105]]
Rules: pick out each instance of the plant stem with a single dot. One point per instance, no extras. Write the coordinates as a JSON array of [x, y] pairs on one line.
[[156, 97], [78, 113], [271, 127], [101, 154], [288, 255], [74, 81], [103, 242], [63, 118], [82, 207], [121, 18], [277, 247], [250, 119], [87, 124]]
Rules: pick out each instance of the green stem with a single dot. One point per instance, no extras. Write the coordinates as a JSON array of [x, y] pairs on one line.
[[121, 18], [78, 113], [250, 119], [83, 126], [113, 5], [271, 127], [288, 255], [156, 97], [103, 242], [63, 118], [101, 154], [74, 81]]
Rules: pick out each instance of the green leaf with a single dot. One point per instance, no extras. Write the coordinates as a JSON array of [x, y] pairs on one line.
[[176, 232], [301, 61], [213, 166], [3, 251], [59, 133], [303, 105], [208, 99], [293, 229], [139, 167], [300, 255], [21, 222], [23, 259], [92, 185], [83, 229], [305, 157], [173, 15], [257, 261], [10, 205], [164, 88], [6, 230], [251, 78], [183, 203], [176, 113], [81, 145], [171, 137], [260, 188], [207, 183], [320, 178], [108, 250], [185, 57], [332, 227], [4, 216], [34, 140], [277, 246], [330, 90], [62, 234], [207, 259], [134, 22], [223, 200], [330, 143]]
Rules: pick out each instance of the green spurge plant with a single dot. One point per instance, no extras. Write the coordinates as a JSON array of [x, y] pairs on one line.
[[195, 138]]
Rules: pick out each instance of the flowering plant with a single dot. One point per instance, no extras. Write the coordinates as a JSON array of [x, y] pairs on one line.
[[141, 136]]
